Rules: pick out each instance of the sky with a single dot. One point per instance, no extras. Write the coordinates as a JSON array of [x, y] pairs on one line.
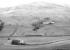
[[11, 3]]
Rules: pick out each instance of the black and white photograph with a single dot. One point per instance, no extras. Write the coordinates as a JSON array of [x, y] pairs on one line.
[[34, 24]]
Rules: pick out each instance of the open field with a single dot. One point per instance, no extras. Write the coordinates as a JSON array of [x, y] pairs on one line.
[[49, 43]]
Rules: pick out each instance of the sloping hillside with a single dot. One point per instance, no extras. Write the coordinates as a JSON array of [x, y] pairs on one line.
[[32, 18]]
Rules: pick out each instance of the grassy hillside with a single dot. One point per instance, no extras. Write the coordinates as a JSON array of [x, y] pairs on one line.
[[25, 16]]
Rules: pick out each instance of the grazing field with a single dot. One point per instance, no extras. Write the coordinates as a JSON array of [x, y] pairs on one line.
[[50, 43]]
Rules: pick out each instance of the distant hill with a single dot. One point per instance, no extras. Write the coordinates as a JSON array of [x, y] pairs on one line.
[[35, 9]]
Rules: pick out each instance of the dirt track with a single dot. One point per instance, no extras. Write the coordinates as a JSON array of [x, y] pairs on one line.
[[42, 43]]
